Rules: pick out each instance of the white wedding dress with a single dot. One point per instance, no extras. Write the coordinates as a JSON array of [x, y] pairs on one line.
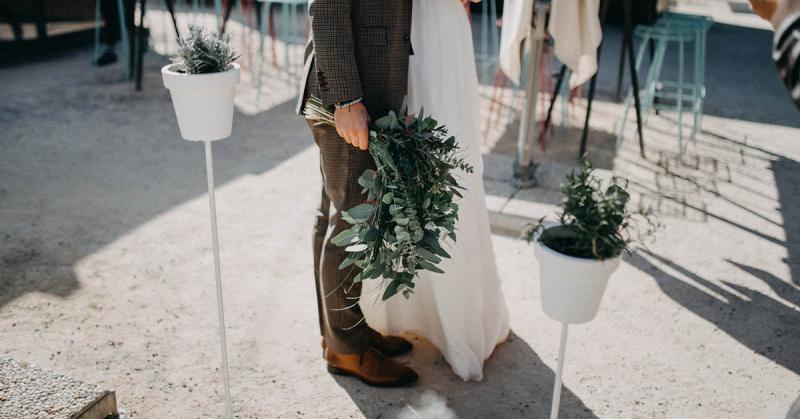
[[462, 311]]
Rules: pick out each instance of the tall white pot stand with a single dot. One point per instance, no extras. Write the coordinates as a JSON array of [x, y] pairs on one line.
[[571, 290], [204, 108]]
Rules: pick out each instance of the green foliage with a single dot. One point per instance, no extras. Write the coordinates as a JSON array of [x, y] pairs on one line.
[[410, 209], [596, 221], [204, 52]]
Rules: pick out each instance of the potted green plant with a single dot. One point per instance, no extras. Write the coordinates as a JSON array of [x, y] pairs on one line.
[[202, 80], [578, 254]]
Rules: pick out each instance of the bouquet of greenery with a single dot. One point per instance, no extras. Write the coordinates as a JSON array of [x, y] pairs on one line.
[[410, 196]]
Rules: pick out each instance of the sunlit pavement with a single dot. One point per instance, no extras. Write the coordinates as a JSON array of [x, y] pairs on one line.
[[106, 259]]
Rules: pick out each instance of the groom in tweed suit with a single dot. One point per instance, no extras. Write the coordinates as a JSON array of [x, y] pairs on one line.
[[356, 62]]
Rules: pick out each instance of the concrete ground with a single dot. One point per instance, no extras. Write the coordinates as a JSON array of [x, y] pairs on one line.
[[106, 266]]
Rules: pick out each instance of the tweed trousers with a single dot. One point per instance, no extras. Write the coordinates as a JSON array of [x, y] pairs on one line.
[[340, 318]]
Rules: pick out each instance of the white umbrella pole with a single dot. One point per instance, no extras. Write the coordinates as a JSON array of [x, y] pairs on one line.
[[218, 277], [524, 168], [562, 349]]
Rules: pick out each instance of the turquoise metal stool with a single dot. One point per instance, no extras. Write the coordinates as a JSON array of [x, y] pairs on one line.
[[679, 95], [123, 29], [289, 30]]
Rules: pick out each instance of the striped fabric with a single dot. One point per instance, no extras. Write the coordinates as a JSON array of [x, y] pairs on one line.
[[786, 53]]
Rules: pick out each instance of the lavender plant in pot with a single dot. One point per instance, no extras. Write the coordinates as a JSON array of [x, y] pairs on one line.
[[202, 81], [578, 254]]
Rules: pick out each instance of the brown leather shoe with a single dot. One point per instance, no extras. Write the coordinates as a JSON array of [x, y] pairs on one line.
[[371, 367], [389, 345]]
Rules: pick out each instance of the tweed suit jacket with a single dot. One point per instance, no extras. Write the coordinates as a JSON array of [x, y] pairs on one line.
[[358, 49]]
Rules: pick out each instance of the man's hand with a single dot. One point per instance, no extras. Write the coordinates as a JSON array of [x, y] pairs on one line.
[[352, 125], [764, 8]]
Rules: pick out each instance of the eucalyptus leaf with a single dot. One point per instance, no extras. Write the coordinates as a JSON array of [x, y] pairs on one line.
[[358, 213], [429, 266], [346, 263], [428, 255], [344, 238]]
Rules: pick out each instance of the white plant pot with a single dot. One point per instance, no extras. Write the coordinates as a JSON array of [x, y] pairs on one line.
[[572, 287], [203, 102]]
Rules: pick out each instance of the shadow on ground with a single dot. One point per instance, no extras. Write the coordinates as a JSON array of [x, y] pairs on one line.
[[787, 179], [515, 379], [87, 159], [767, 326], [562, 146]]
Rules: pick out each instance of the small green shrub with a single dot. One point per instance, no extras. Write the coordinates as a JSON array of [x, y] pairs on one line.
[[204, 52], [596, 222]]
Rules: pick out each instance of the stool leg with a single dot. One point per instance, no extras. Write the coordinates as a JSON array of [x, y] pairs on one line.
[[495, 41], [629, 96], [492, 104], [164, 25], [123, 28], [96, 31], [272, 35], [680, 98], [653, 75], [565, 100], [592, 84], [696, 86], [171, 9], [621, 70], [295, 32], [262, 30], [246, 36], [140, 47], [634, 76], [284, 13], [484, 37], [702, 76], [556, 90], [590, 99]]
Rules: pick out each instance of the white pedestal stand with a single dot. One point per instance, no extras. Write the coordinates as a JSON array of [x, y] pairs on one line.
[[218, 277], [204, 108], [562, 349], [571, 291]]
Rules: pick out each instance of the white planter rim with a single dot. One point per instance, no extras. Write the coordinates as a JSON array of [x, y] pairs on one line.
[[571, 259], [168, 69]]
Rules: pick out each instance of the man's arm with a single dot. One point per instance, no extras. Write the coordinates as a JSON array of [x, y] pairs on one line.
[[337, 71], [334, 51]]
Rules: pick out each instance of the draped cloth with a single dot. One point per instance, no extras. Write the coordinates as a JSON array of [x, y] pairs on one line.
[[574, 26]]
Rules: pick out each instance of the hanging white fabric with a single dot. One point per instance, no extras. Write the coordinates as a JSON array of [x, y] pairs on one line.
[[576, 48], [574, 26]]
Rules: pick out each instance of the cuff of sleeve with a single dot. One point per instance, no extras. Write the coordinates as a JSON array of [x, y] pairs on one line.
[[347, 103]]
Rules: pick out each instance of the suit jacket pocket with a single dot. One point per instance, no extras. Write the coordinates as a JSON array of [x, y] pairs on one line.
[[365, 36]]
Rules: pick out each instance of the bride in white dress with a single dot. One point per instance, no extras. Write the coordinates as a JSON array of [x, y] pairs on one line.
[[463, 311]]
